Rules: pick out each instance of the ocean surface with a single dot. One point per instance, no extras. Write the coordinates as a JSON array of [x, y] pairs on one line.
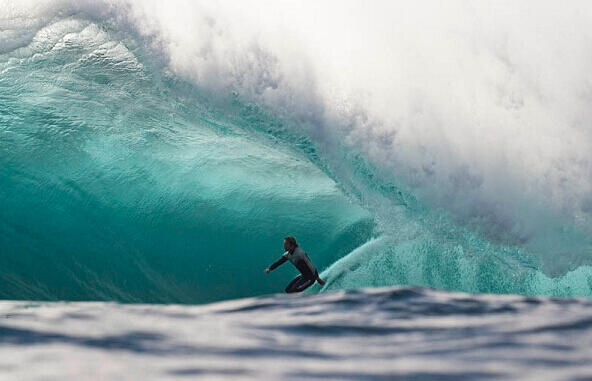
[[370, 334], [153, 156]]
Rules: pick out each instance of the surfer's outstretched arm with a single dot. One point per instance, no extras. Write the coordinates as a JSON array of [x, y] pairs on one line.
[[277, 263]]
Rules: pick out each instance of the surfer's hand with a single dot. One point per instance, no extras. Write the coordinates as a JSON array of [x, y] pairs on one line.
[[267, 271]]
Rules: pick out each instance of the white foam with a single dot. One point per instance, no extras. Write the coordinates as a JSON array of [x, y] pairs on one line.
[[483, 108]]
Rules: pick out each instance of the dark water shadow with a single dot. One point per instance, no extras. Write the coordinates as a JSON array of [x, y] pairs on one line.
[[192, 372], [148, 343], [578, 325], [254, 307], [135, 341], [342, 330], [78, 316], [416, 376]]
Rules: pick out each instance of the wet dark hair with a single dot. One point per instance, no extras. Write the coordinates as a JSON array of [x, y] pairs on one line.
[[291, 240]]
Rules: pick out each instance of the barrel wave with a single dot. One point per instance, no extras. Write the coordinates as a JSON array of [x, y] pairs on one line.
[[123, 179]]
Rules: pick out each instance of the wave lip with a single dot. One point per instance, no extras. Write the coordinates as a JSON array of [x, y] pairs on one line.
[[401, 331]]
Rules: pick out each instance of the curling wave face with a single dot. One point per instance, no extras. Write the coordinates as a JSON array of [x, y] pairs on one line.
[[123, 176], [118, 183]]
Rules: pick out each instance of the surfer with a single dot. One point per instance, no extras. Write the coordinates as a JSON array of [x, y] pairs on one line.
[[300, 260]]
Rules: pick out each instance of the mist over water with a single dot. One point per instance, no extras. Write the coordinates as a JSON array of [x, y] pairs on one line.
[[160, 152]]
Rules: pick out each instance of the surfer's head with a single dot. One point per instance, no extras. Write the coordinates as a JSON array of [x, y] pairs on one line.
[[290, 243]]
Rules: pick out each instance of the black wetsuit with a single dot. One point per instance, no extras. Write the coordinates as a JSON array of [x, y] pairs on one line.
[[308, 272]]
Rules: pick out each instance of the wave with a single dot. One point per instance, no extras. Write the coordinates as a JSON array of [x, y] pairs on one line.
[[150, 154]]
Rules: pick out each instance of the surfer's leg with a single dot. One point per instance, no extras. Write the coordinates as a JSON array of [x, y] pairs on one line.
[[306, 283], [293, 284], [299, 284], [318, 279]]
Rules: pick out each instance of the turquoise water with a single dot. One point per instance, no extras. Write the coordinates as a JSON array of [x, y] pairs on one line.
[[120, 180]]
